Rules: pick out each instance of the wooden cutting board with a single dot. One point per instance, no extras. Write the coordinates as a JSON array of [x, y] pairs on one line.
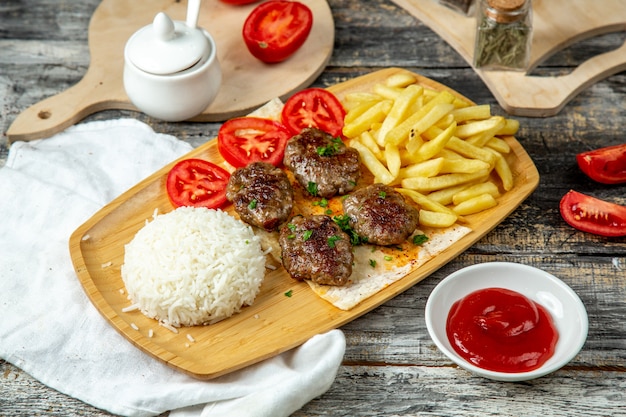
[[247, 82], [557, 24], [275, 322]]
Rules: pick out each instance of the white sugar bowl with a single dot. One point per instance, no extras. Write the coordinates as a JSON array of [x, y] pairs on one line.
[[171, 70]]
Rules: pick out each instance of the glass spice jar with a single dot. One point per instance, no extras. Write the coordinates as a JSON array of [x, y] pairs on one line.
[[503, 34]]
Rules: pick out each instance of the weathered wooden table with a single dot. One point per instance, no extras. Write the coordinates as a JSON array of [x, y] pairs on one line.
[[391, 366]]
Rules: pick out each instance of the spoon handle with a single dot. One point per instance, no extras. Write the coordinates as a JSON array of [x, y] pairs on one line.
[[193, 11]]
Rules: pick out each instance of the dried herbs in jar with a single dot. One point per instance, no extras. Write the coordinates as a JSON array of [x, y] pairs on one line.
[[503, 34]]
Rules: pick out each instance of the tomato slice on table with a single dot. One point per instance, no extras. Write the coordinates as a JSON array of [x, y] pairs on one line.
[[251, 139], [314, 107], [197, 183], [276, 29], [604, 165], [590, 214]]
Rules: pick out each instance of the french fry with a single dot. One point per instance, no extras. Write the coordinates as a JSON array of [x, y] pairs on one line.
[[425, 202], [392, 156], [374, 114], [428, 168], [474, 191], [381, 173], [435, 219], [433, 147], [401, 132], [499, 145], [511, 127], [444, 153], [368, 140], [423, 184], [387, 92], [475, 205], [480, 112], [463, 165], [476, 127], [400, 79], [399, 111], [504, 171]]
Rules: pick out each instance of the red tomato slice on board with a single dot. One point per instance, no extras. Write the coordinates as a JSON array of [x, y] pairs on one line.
[[593, 215], [314, 107], [604, 165], [250, 139], [197, 183], [276, 29]]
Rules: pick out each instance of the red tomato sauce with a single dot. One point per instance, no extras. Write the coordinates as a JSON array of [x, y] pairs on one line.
[[501, 330]]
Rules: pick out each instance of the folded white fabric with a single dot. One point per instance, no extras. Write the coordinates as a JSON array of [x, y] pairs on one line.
[[50, 329]]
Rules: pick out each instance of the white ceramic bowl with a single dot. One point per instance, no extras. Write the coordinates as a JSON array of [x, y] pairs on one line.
[[175, 97], [567, 310]]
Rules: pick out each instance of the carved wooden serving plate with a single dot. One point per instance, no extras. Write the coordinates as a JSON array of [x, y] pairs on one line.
[[275, 322]]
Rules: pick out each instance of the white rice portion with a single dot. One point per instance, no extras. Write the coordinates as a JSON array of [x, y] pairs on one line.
[[193, 266]]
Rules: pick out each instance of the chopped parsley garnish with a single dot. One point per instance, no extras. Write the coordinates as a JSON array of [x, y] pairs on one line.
[[312, 188], [291, 227], [307, 235], [289, 293], [331, 149], [420, 239], [343, 222], [388, 258], [373, 263], [328, 212], [252, 204], [322, 203], [331, 241], [382, 194]]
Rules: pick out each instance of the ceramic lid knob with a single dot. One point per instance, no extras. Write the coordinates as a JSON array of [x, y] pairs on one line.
[[167, 47]]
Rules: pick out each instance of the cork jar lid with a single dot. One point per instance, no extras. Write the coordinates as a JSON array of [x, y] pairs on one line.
[[506, 11], [506, 5]]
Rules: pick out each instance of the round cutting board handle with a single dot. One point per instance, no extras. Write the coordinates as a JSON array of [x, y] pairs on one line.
[[92, 94], [546, 96]]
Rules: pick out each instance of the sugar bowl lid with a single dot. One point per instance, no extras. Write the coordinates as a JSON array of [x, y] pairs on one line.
[[166, 47]]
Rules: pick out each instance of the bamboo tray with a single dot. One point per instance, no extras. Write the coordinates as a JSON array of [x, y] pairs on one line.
[[274, 323]]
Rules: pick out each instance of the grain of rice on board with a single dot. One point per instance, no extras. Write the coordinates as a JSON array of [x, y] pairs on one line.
[[193, 266]]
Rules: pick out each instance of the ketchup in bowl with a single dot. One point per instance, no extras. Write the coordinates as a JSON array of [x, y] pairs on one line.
[[501, 330]]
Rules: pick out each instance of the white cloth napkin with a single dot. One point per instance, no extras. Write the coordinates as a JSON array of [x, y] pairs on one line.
[[49, 328]]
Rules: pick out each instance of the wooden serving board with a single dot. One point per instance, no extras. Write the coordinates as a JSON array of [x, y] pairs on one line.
[[557, 24], [247, 82], [274, 323]]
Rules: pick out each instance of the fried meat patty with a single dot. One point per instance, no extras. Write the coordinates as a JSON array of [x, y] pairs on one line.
[[322, 162], [380, 214], [315, 248], [261, 194]]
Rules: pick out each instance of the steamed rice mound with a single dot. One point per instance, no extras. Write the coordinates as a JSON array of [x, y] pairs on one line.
[[193, 266]]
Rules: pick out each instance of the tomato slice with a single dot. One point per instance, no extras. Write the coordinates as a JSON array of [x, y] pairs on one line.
[[251, 139], [276, 29], [593, 215], [604, 165], [197, 183], [314, 107]]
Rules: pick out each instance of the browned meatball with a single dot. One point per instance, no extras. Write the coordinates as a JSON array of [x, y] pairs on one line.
[[323, 165], [261, 194], [316, 248], [380, 214]]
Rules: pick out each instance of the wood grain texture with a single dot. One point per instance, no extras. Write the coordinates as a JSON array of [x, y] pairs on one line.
[[246, 82], [265, 328], [391, 367], [556, 24]]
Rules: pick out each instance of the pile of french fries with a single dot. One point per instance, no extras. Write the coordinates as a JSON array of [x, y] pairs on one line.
[[435, 148]]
